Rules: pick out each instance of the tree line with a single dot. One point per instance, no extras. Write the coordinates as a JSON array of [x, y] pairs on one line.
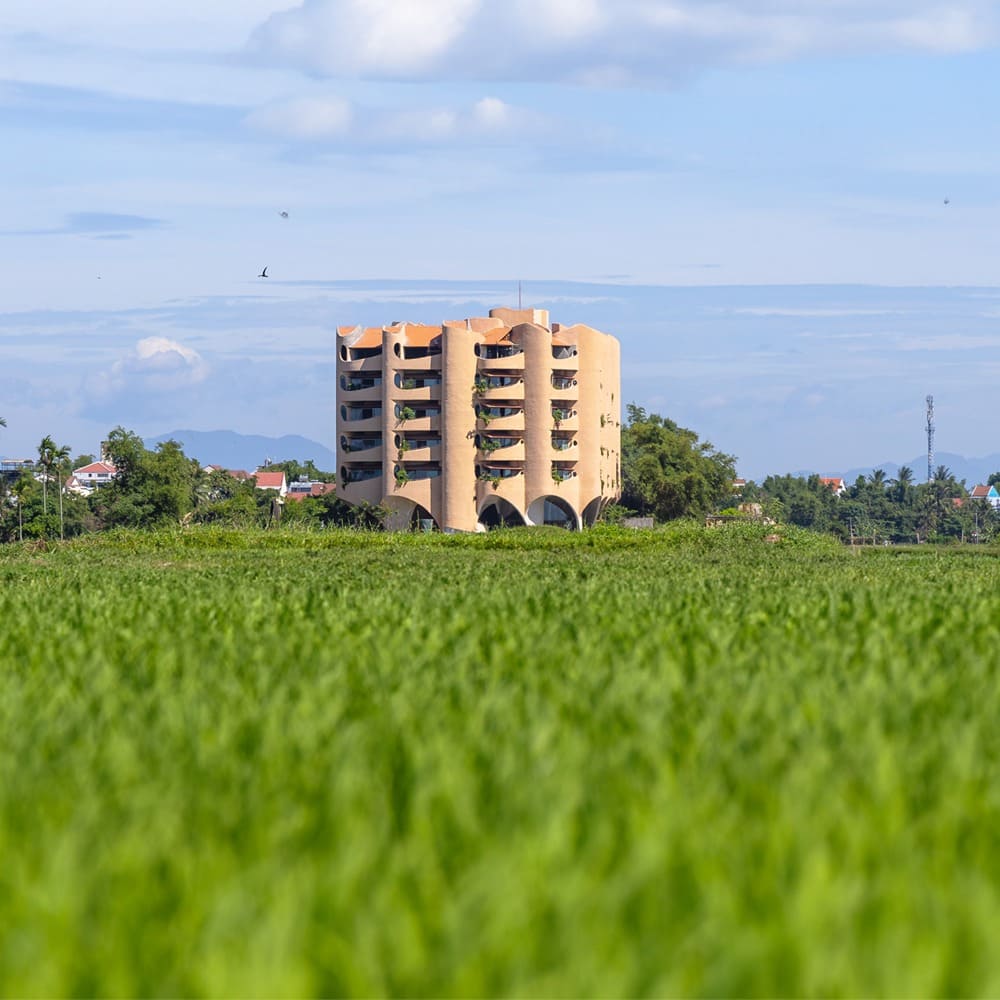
[[877, 508], [153, 489], [667, 473]]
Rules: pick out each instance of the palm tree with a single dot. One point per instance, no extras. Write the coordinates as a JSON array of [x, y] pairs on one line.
[[46, 452], [902, 483], [52, 456], [61, 458]]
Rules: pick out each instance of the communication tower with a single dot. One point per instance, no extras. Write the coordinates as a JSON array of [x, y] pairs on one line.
[[930, 438]]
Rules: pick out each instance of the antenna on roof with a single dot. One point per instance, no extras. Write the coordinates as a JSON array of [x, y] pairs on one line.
[[519, 294]]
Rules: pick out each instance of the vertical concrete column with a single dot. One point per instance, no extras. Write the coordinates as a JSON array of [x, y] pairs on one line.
[[393, 342], [590, 408], [458, 429], [537, 343]]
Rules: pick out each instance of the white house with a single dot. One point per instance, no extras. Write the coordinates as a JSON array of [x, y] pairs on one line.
[[93, 476]]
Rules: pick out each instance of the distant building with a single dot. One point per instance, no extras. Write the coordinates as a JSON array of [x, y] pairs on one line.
[[266, 480], [480, 422], [91, 477], [987, 493], [834, 483]]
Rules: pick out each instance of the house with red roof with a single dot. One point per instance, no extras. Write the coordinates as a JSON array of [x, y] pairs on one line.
[[834, 483], [88, 478], [987, 493], [264, 479]]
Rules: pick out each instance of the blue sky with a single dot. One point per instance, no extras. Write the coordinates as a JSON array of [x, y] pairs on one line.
[[749, 193]]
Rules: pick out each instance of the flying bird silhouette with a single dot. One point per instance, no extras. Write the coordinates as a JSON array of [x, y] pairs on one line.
[[284, 215], [947, 201], [263, 274]]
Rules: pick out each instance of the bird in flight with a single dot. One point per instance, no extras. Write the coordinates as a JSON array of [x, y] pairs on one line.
[[284, 215], [947, 201], [263, 274]]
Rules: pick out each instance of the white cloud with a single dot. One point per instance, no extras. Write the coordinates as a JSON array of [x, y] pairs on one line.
[[304, 117], [333, 118], [603, 41], [155, 364]]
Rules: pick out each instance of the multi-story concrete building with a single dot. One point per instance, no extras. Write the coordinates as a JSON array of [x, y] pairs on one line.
[[480, 422]]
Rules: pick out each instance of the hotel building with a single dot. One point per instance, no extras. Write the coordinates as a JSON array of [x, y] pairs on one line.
[[480, 422]]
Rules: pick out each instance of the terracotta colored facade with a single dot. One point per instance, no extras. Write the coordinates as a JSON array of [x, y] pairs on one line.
[[480, 422]]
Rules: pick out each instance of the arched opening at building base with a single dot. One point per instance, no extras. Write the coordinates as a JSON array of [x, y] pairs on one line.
[[500, 513], [592, 512], [408, 516], [553, 511]]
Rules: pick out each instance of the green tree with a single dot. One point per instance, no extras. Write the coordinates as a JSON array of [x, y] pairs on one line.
[[668, 472], [151, 488]]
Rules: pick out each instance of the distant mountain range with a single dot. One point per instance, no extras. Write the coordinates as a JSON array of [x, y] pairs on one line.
[[248, 451], [972, 470]]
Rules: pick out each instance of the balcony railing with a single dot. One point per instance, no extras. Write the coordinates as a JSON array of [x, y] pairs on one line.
[[561, 353], [559, 413], [562, 472], [561, 443], [561, 381]]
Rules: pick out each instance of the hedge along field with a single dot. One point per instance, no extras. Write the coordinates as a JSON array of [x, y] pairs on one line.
[[686, 762]]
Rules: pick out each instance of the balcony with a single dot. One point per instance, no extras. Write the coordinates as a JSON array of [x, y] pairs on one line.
[[563, 441], [500, 446], [564, 417], [360, 472], [416, 379], [562, 352], [414, 472], [354, 354], [417, 447], [494, 385], [352, 443], [355, 383], [561, 471], [496, 473], [502, 357], [354, 412], [367, 359]]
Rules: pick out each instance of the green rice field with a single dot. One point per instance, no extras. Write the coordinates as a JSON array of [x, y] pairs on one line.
[[688, 762]]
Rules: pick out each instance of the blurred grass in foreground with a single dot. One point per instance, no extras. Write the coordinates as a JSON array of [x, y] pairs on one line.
[[676, 763]]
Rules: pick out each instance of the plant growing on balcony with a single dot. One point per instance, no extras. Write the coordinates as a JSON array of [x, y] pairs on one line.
[[557, 415], [480, 385], [484, 416], [409, 383], [404, 446], [402, 478], [488, 445], [406, 413]]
